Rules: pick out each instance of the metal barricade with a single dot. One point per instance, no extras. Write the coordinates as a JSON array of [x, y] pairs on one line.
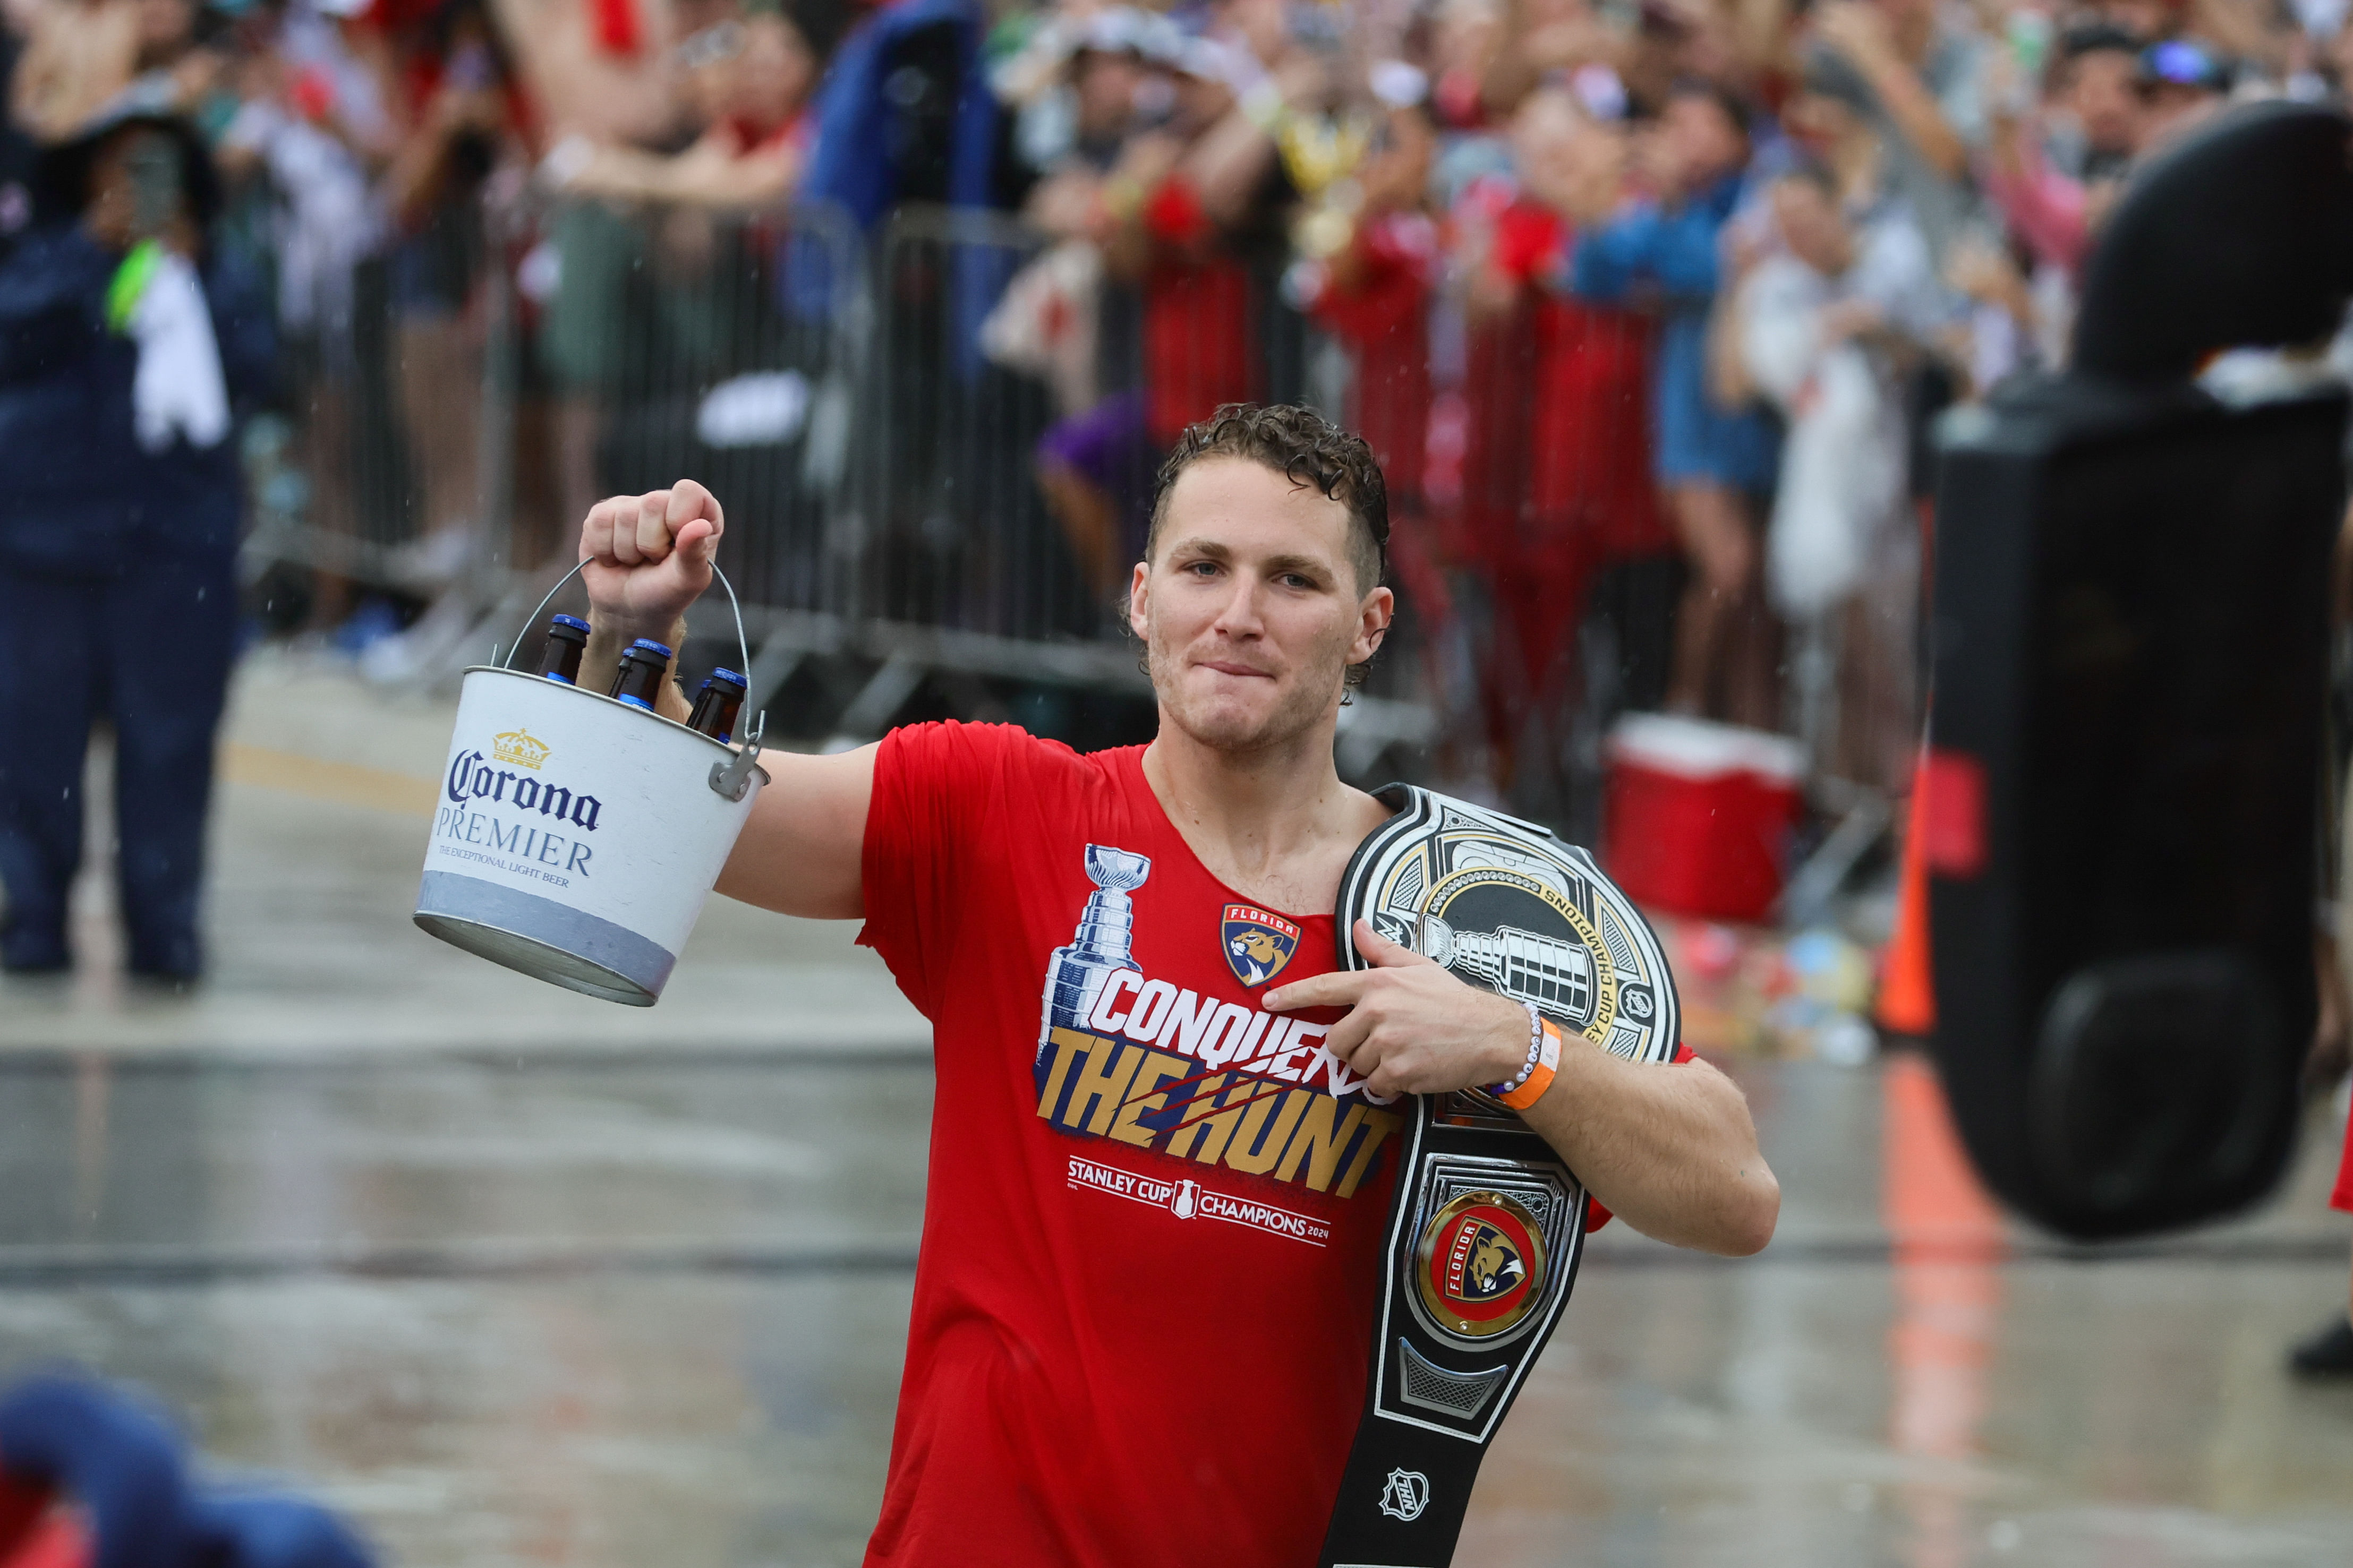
[[617, 348], [959, 535], [1009, 425], [888, 452], [370, 470], [678, 341]]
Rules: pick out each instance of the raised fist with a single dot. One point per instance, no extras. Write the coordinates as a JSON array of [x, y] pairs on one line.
[[648, 557]]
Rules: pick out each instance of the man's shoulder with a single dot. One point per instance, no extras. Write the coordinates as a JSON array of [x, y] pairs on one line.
[[983, 752]]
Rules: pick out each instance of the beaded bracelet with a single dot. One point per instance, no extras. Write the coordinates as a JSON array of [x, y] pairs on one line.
[[1536, 1049], [1544, 1059]]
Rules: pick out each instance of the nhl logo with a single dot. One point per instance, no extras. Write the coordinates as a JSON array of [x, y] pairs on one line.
[[1257, 943], [1406, 1495]]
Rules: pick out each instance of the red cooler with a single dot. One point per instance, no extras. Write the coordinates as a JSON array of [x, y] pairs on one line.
[[1699, 815]]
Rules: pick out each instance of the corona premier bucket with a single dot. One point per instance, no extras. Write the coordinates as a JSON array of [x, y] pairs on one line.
[[576, 837]]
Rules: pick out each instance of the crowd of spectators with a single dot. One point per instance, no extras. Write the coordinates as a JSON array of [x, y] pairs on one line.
[[1648, 306]]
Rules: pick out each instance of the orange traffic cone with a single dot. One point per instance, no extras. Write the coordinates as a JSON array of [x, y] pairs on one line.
[[1907, 985]]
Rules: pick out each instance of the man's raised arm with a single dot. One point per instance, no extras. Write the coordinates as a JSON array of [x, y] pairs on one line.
[[647, 559]]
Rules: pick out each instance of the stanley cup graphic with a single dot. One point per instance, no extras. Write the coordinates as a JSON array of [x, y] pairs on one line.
[[1556, 975], [1075, 975]]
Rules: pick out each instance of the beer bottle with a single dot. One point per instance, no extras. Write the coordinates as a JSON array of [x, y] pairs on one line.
[[559, 657], [716, 705], [642, 668]]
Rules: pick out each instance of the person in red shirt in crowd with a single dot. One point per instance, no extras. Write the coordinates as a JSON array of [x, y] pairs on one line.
[[1373, 294], [1193, 214], [758, 71], [1568, 487], [1154, 1224]]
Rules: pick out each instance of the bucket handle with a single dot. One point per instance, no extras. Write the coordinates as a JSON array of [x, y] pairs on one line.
[[731, 778]]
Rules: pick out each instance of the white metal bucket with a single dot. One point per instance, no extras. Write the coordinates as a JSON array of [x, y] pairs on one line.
[[576, 837]]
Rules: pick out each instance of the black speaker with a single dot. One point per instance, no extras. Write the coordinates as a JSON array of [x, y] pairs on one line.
[[2130, 631], [2129, 627]]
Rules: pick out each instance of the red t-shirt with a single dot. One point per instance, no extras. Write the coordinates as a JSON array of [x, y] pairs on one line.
[[1152, 1237], [1144, 1305]]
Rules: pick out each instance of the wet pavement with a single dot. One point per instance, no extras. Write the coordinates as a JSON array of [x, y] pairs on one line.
[[514, 1277]]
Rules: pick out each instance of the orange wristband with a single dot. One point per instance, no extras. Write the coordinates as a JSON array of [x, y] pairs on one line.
[[1540, 1077]]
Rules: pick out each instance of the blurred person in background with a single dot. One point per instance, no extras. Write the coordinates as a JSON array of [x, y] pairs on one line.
[[604, 69], [580, 273], [1372, 292], [2053, 173], [78, 56], [760, 69], [2183, 83], [128, 344], [454, 93], [1094, 100], [1828, 328], [1584, 503], [1194, 214], [1714, 463], [1920, 73], [1552, 40]]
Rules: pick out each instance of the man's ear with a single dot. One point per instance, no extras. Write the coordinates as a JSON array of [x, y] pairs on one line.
[[1139, 599], [1373, 618]]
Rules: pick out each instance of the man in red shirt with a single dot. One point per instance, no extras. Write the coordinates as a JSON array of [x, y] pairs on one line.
[[1160, 1159]]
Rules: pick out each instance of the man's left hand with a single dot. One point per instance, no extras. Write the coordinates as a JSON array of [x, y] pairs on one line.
[[1413, 1027]]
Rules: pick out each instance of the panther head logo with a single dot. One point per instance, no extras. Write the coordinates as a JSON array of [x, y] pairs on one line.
[[1494, 1263], [1257, 943], [1258, 946]]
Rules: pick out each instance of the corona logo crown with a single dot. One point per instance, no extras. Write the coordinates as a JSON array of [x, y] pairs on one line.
[[520, 749]]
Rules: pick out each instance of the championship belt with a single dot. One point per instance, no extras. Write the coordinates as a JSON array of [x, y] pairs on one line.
[[1487, 1225]]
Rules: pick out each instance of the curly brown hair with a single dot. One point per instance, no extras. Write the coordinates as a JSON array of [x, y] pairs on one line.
[[1308, 449]]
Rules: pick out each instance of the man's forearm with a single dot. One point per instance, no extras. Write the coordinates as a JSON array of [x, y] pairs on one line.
[[600, 662], [1918, 115], [1670, 1149]]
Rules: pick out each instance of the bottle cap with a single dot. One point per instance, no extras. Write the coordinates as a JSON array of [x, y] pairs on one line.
[[727, 677], [573, 622], [649, 644]]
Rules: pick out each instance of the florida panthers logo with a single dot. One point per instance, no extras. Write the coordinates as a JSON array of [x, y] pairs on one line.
[[1257, 942], [1482, 1260]]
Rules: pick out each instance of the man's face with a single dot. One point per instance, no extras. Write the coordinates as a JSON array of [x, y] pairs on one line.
[[1250, 609], [1813, 228], [1702, 145], [2106, 105], [1106, 85], [134, 189], [773, 72]]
